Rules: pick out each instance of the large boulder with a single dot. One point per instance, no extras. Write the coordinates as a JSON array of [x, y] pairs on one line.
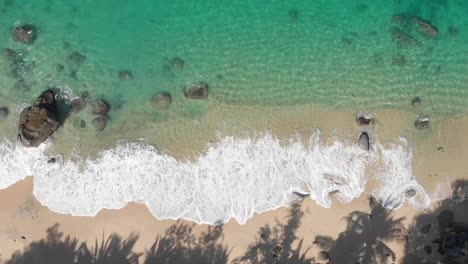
[[196, 91], [24, 34], [39, 121]]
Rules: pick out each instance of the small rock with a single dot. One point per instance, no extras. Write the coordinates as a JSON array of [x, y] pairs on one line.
[[100, 107], [323, 256], [410, 193], [77, 104], [177, 63], [162, 100], [422, 122], [4, 112], [428, 249], [400, 19], [125, 75], [196, 91], [293, 14], [453, 31], [24, 34], [416, 102], [82, 124], [52, 161], [100, 122], [9, 54], [75, 58], [59, 67], [364, 141], [399, 60], [425, 27], [364, 119], [23, 237], [403, 38], [425, 228]]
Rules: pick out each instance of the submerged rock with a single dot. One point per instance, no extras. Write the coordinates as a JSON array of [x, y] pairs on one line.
[[162, 100], [453, 31], [39, 121], [416, 102], [424, 27], [24, 34], [76, 59], [399, 60], [410, 193], [196, 91], [422, 122], [177, 63], [77, 104], [3, 112], [125, 75], [100, 107], [59, 67], [100, 122], [9, 54], [400, 19], [293, 14], [364, 141], [403, 38], [365, 119]]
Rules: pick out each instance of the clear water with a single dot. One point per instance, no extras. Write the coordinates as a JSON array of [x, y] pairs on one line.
[[331, 53]]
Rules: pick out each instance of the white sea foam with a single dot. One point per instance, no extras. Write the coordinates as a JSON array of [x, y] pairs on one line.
[[233, 179]]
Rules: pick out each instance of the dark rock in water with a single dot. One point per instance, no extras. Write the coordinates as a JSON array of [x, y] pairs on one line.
[[364, 141], [100, 107], [424, 27], [453, 31], [82, 124], [76, 59], [24, 34], [422, 122], [428, 249], [293, 14], [323, 256], [4, 112], [403, 38], [162, 100], [77, 104], [410, 193], [425, 228], [52, 161], [59, 67], [125, 75], [177, 63], [399, 60], [9, 54], [416, 102], [100, 122], [39, 121], [196, 91], [364, 119], [445, 219], [400, 19]]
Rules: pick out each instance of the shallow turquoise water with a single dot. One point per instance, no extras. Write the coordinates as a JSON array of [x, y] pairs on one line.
[[333, 53]]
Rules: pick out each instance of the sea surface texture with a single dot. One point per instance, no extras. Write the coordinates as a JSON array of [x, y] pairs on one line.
[[195, 160]]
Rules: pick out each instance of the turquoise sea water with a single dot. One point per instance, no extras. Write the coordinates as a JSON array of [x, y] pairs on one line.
[[336, 54]]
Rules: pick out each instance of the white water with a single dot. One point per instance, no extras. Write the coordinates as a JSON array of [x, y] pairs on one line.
[[233, 179]]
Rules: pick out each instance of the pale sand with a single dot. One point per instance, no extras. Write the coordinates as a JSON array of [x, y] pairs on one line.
[[22, 215]]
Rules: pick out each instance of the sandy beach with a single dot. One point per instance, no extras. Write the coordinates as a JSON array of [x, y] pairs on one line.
[[306, 225]]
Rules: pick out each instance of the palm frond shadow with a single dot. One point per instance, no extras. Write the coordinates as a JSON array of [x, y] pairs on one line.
[[365, 237], [180, 245], [57, 249], [275, 243], [441, 234]]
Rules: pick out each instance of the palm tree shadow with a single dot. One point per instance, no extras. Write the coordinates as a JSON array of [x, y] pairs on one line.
[[365, 237], [180, 245], [57, 249], [439, 234], [275, 243]]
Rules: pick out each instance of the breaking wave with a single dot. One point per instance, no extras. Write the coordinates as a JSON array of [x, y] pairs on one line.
[[234, 178]]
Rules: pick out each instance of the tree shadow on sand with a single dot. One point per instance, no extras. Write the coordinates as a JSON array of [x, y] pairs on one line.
[[441, 234], [275, 243], [57, 249], [365, 237], [180, 245]]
